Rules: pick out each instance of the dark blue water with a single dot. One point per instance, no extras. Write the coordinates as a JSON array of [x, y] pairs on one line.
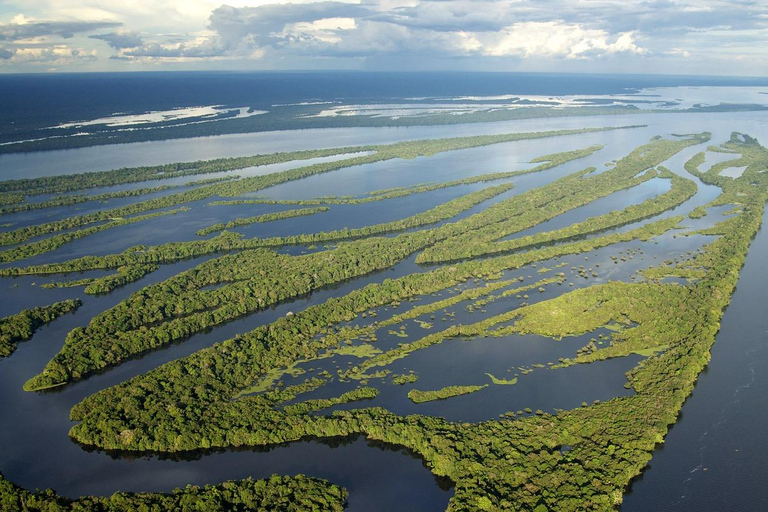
[[714, 457], [30, 103], [37, 452], [35, 101]]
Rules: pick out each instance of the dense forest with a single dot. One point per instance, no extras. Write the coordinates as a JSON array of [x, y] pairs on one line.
[[292, 494], [285, 380], [21, 326]]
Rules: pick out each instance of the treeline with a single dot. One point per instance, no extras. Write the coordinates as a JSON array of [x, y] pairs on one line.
[[73, 182], [174, 310], [308, 406], [507, 464], [210, 181], [54, 242], [419, 397], [266, 217], [174, 251], [78, 199], [181, 313], [277, 493], [137, 255], [438, 213], [171, 420], [409, 149], [545, 162], [682, 189], [123, 276], [255, 279], [347, 333], [548, 201], [22, 326]]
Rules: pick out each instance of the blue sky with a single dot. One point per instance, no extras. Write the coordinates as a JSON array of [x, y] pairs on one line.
[[710, 37]]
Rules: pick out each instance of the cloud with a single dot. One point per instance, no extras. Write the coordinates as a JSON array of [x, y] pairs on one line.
[[246, 32], [374, 27], [57, 55], [264, 25], [555, 39], [196, 49], [120, 40], [35, 29], [467, 32], [6, 53]]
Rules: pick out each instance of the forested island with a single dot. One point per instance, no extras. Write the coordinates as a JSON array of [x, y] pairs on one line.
[[542, 252]]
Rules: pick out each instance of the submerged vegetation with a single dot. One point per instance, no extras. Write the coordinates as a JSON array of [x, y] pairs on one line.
[[249, 390]]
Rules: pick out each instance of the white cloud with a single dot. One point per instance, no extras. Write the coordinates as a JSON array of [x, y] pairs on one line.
[[555, 39], [58, 55], [326, 30], [470, 31], [26, 28]]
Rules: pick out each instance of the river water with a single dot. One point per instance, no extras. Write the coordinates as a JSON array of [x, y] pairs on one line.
[[713, 457]]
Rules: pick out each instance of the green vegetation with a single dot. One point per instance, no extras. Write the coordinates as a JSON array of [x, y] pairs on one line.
[[71, 200], [287, 341], [22, 326], [56, 241], [405, 378], [545, 162], [682, 190], [560, 196], [279, 493], [419, 397], [72, 182], [68, 284], [523, 468], [101, 285], [208, 181], [229, 394], [698, 212], [408, 150], [124, 275], [356, 351], [502, 382], [255, 281], [175, 309], [324, 403], [438, 213], [267, 217]]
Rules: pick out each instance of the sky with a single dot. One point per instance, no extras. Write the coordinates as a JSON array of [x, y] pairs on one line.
[[699, 37]]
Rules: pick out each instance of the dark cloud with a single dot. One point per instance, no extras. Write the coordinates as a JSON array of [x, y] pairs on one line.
[[120, 40], [65, 29], [6, 53]]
